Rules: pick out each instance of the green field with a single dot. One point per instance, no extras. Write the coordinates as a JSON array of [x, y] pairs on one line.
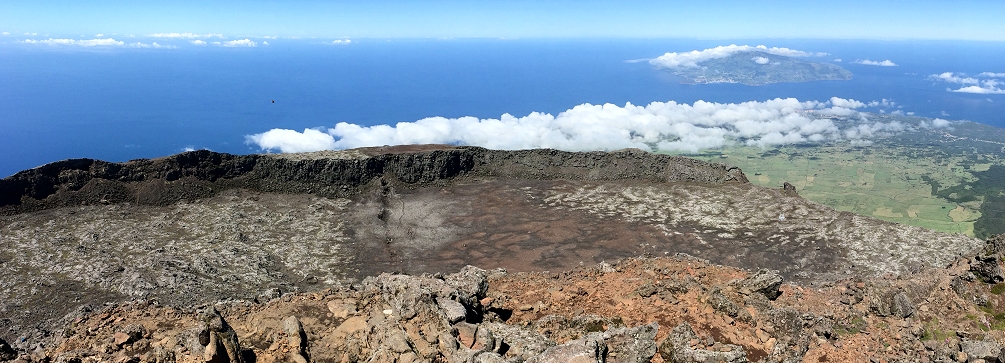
[[915, 179]]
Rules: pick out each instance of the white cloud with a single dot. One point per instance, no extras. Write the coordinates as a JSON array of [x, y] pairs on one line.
[[986, 83], [847, 103], [884, 103], [952, 78], [6, 33], [99, 35], [185, 35], [691, 59], [760, 60], [290, 141], [265, 43], [270, 37], [238, 43], [667, 126], [152, 45], [341, 41], [980, 90], [935, 124], [837, 60], [885, 63], [107, 42], [198, 42]]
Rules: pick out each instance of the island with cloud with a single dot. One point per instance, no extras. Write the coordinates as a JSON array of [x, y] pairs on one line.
[[752, 66]]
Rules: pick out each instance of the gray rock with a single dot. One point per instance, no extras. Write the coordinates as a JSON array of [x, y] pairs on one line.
[[452, 310], [647, 290], [398, 342], [789, 189], [676, 348], [488, 357], [987, 349], [220, 337], [161, 355], [763, 282], [134, 331], [987, 269], [296, 336], [631, 345], [522, 343], [471, 284], [589, 349], [892, 303], [723, 304]]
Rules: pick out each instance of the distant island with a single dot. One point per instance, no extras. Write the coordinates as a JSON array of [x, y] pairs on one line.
[[755, 68]]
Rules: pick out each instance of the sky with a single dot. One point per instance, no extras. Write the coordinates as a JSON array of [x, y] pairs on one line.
[[849, 19]]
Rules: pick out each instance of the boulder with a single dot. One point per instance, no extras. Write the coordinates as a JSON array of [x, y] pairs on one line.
[[520, 343], [589, 349], [892, 303], [677, 348], [631, 345], [724, 305], [762, 282], [218, 340], [297, 338], [986, 349], [452, 310], [986, 264], [789, 189]]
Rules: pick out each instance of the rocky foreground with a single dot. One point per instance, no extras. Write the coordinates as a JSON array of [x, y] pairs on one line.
[[668, 309]]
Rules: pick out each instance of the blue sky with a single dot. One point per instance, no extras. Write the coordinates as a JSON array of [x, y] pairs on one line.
[[855, 19]]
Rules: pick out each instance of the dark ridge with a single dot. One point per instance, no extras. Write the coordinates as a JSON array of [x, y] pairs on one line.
[[199, 174]]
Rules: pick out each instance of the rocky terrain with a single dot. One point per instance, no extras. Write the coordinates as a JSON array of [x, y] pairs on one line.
[[303, 257]]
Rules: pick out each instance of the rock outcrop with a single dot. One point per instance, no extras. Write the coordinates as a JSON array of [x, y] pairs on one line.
[[199, 174]]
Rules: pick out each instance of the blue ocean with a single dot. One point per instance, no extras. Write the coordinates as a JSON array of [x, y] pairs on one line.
[[121, 104]]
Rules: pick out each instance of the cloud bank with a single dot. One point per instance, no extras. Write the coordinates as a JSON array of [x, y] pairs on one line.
[[984, 83], [691, 59], [238, 43], [659, 126], [885, 63], [185, 35], [107, 42]]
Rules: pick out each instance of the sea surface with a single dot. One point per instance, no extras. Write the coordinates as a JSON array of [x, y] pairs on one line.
[[123, 103]]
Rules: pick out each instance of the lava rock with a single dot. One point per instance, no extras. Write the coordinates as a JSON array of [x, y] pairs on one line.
[[987, 349], [452, 310], [892, 303], [676, 348], [589, 349], [763, 282], [631, 345]]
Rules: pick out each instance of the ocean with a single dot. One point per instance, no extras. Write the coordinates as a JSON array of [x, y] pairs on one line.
[[120, 104]]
